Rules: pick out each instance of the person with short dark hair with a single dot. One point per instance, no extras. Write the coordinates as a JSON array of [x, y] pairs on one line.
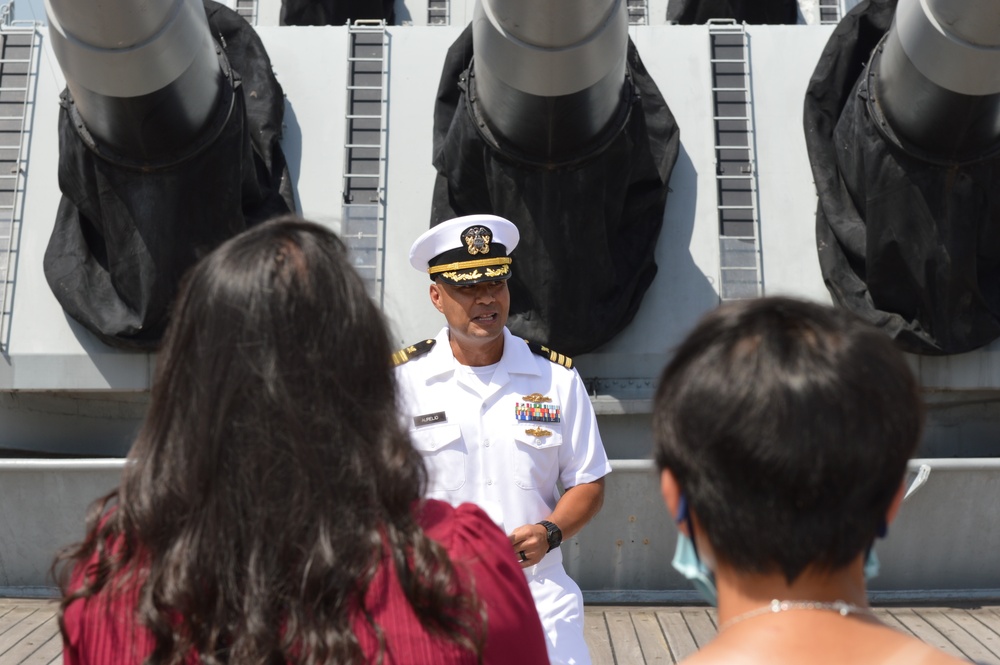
[[270, 509], [782, 432], [503, 422]]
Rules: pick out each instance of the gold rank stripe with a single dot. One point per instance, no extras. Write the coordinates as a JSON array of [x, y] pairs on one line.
[[405, 355], [559, 358], [553, 356], [478, 263]]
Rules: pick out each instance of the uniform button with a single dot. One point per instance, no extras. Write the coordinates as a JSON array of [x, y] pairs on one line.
[[489, 482], [486, 443]]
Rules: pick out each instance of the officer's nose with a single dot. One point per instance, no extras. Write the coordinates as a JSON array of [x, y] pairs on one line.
[[484, 294]]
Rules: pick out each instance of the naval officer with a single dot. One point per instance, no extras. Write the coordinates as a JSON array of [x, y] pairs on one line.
[[502, 422]]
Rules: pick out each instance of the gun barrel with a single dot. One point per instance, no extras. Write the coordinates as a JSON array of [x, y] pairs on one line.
[[144, 74], [549, 74], [938, 77]]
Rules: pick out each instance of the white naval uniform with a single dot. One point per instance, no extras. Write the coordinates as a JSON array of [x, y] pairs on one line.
[[476, 450]]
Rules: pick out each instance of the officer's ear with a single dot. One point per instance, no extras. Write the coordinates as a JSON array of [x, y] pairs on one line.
[[436, 296]]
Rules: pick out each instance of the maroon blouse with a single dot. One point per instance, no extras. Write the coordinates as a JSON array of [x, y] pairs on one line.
[[101, 630]]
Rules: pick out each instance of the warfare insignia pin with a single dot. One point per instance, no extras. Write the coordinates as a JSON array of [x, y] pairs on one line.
[[538, 432], [536, 397], [477, 239]]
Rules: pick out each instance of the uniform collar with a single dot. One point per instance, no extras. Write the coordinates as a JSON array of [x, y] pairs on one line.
[[517, 357]]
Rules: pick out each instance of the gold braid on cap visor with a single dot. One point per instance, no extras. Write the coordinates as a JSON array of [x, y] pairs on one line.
[[478, 263]]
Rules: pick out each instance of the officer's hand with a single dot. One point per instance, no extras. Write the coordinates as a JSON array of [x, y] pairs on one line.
[[530, 543]]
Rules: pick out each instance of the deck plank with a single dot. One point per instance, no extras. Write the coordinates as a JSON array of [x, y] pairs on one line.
[[616, 635], [702, 624], [679, 638], [651, 638], [984, 625], [595, 632], [624, 641], [884, 615], [926, 631], [22, 630], [25, 648], [49, 653], [990, 616], [966, 643]]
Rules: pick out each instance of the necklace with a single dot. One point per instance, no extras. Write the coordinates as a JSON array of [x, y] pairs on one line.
[[841, 607]]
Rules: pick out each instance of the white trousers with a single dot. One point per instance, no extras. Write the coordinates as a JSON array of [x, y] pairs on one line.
[[560, 607]]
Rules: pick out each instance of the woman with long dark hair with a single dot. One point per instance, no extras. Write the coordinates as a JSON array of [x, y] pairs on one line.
[[270, 510]]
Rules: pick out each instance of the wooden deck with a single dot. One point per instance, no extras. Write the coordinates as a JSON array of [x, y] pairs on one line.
[[617, 635]]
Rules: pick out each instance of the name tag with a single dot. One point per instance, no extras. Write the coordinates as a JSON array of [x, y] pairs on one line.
[[430, 419]]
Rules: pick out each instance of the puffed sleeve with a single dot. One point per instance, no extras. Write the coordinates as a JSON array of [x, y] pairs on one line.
[[475, 543]]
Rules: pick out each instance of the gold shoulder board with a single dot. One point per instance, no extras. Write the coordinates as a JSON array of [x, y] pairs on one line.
[[553, 356], [411, 352]]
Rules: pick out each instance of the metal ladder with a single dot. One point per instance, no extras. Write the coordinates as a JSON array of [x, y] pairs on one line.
[[740, 257], [363, 221], [638, 12], [439, 12], [248, 10], [19, 49], [830, 11]]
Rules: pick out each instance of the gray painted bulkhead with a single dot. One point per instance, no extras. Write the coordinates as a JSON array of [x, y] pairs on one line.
[[65, 392]]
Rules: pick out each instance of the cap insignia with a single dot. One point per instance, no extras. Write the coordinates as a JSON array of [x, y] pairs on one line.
[[477, 239]]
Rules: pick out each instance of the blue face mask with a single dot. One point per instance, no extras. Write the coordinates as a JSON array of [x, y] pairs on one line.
[[687, 563], [871, 564]]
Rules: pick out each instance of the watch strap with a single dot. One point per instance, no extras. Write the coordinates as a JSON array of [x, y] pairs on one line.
[[553, 534]]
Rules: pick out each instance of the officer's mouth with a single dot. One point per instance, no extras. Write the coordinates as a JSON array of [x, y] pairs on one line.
[[485, 318]]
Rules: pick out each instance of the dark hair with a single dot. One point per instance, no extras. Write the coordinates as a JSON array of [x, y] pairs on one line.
[[788, 426], [271, 476]]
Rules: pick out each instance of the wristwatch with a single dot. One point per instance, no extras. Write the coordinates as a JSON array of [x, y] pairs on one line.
[[553, 534]]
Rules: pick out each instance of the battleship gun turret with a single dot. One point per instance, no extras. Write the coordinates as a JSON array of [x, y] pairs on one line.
[[162, 156], [904, 152], [547, 116]]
